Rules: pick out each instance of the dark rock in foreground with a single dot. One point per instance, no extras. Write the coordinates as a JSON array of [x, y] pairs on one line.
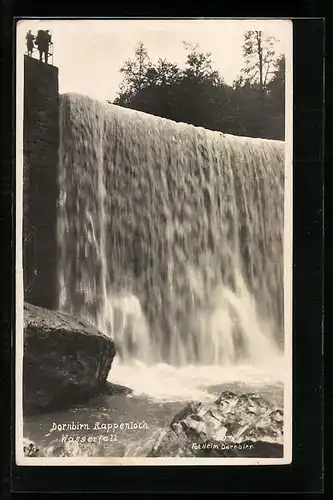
[[58, 449], [66, 361], [30, 448], [72, 449], [235, 425]]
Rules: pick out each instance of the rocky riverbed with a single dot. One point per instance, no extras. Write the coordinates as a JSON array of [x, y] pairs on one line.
[[71, 409]]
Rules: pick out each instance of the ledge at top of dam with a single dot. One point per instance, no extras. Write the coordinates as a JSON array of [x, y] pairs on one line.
[[128, 113]]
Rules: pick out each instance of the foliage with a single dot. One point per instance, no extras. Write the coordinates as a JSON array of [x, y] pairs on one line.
[[259, 56], [197, 93], [135, 71]]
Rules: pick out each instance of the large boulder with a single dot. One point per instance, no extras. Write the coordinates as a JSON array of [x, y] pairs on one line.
[[66, 361], [111, 389], [235, 425]]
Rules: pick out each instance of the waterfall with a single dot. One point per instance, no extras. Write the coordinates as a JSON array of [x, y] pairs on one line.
[[170, 236]]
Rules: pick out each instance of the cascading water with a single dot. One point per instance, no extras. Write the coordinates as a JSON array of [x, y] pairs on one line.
[[171, 236]]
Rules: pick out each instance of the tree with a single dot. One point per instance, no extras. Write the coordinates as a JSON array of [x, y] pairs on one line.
[[276, 86], [199, 65], [164, 73], [259, 54], [134, 71], [197, 93], [191, 93], [259, 89], [276, 93]]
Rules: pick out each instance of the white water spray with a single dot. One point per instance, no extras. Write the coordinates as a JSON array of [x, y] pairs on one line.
[[171, 236]]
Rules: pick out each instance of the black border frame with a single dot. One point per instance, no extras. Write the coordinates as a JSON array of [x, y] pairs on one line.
[[305, 474]]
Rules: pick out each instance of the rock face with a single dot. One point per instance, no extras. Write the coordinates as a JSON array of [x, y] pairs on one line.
[[116, 389], [66, 361], [235, 425]]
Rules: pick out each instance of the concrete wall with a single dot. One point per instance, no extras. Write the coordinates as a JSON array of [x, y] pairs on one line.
[[41, 142]]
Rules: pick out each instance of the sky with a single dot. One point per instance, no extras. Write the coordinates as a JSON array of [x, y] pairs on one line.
[[90, 53]]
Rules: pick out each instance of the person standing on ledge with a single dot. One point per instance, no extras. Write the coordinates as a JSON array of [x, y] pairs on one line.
[[48, 41], [30, 43], [43, 41]]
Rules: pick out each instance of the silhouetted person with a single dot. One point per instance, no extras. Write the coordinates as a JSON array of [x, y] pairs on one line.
[[43, 40], [30, 42]]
